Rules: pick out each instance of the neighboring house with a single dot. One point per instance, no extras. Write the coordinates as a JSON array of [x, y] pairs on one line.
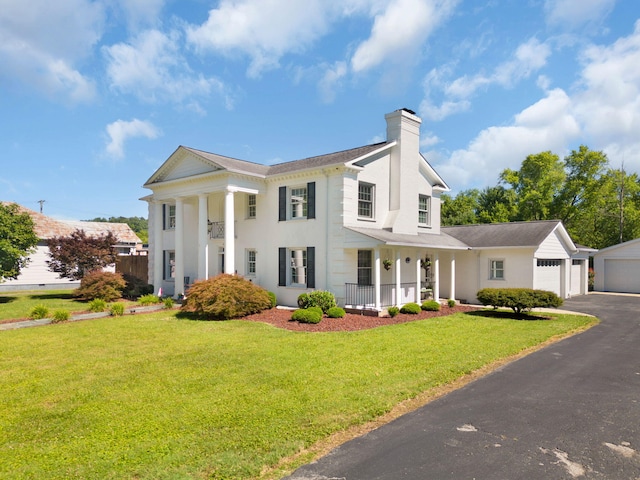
[[37, 275], [617, 268], [362, 223]]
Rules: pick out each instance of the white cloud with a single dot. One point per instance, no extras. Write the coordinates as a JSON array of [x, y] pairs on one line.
[[400, 30], [121, 130], [41, 41], [331, 81], [571, 14], [140, 13], [152, 68]]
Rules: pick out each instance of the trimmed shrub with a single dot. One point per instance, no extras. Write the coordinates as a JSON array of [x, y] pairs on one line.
[[98, 284], [336, 312], [39, 311], [224, 297], [307, 315], [411, 308], [430, 306], [273, 298], [135, 287], [116, 309], [393, 311], [97, 305], [318, 298], [149, 299], [451, 302], [316, 309], [518, 299], [168, 302], [60, 316]]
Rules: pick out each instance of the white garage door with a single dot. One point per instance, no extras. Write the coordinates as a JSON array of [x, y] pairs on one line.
[[622, 275], [548, 275], [577, 274]]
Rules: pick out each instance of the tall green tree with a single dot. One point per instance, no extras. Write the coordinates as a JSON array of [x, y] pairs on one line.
[[459, 210], [497, 205], [79, 254], [17, 240]]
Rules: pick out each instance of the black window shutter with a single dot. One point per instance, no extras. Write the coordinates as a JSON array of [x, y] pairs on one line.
[[164, 216], [282, 266], [311, 200], [164, 266], [311, 267], [282, 204]]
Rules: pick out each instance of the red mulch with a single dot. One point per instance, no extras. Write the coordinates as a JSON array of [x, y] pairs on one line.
[[282, 319]]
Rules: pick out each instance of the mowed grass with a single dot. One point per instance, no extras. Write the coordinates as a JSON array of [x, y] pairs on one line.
[[155, 397], [18, 305]]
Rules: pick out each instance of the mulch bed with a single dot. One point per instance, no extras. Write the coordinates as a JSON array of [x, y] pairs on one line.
[[282, 319]]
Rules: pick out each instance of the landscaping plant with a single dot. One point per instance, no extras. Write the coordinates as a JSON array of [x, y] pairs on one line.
[[411, 308], [518, 299], [430, 306], [393, 311], [98, 284], [318, 298], [336, 312], [38, 312], [116, 309], [307, 315], [97, 305], [149, 299], [60, 316]]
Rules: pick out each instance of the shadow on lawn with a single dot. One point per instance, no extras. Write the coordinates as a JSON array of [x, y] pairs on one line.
[[507, 315], [52, 296], [7, 299]]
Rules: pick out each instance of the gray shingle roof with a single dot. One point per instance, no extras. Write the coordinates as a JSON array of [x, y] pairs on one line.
[[515, 234], [422, 240]]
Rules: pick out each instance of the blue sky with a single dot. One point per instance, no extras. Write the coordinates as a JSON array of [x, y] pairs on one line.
[[95, 95]]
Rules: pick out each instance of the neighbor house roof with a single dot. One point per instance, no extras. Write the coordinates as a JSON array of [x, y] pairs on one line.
[[514, 234], [46, 227]]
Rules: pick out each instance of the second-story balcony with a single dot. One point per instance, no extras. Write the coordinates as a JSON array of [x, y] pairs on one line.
[[216, 229]]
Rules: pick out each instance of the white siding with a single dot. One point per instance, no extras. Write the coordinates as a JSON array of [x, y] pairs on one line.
[[37, 274], [628, 252]]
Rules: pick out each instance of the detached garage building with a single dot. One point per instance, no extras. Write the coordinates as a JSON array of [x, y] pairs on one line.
[[617, 268]]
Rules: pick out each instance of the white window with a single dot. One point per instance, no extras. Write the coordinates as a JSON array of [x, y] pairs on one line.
[[169, 264], [298, 202], [251, 263], [365, 269], [365, 200], [251, 206], [298, 257], [171, 217], [424, 207], [496, 270]]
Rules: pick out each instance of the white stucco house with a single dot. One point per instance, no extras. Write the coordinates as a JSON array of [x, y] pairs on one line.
[[617, 268], [362, 223], [36, 275]]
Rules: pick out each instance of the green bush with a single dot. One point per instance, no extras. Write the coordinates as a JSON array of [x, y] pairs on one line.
[[336, 312], [273, 298], [98, 284], [430, 306], [451, 302], [116, 309], [135, 287], [393, 311], [149, 299], [168, 302], [226, 296], [316, 309], [97, 305], [307, 315], [60, 316], [318, 298], [518, 299], [411, 308], [39, 311]]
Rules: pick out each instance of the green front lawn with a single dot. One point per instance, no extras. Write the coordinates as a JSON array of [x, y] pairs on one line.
[[155, 397], [18, 305]]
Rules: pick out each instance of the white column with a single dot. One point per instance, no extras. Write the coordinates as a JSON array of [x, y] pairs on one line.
[[436, 276], [179, 232], [229, 233], [376, 278], [203, 236], [418, 286], [157, 247], [452, 290], [398, 278]]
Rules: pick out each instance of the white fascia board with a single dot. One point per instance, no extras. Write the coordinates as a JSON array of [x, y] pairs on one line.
[[566, 237], [387, 146], [438, 181]]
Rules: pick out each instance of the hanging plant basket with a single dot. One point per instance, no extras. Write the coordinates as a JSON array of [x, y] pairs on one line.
[[386, 263]]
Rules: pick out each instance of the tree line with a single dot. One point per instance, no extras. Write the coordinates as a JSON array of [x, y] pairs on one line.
[[598, 205], [140, 225]]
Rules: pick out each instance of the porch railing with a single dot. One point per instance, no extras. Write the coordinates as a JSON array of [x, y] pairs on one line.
[[216, 229], [364, 296]]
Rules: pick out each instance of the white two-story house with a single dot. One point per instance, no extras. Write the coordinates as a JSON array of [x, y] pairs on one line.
[[362, 223]]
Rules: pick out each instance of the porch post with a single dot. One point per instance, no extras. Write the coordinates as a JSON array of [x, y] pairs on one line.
[[376, 278], [158, 250], [179, 232], [418, 286], [203, 236], [436, 276], [452, 290], [398, 277], [229, 233]]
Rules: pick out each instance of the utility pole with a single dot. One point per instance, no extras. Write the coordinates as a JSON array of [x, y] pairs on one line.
[[41, 202]]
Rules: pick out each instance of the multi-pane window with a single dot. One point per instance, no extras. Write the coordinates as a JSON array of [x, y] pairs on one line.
[[365, 269], [169, 264], [298, 269], [298, 202], [365, 200], [424, 202], [251, 206], [496, 270], [251, 262], [170, 221]]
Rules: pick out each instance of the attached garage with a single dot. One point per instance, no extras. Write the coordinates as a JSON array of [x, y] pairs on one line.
[[617, 268], [549, 275]]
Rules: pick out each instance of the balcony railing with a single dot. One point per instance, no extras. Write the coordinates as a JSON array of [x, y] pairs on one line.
[[216, 229], [364, 296]]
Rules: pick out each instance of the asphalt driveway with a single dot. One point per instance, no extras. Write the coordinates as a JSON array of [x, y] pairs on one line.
[[570, 410]]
